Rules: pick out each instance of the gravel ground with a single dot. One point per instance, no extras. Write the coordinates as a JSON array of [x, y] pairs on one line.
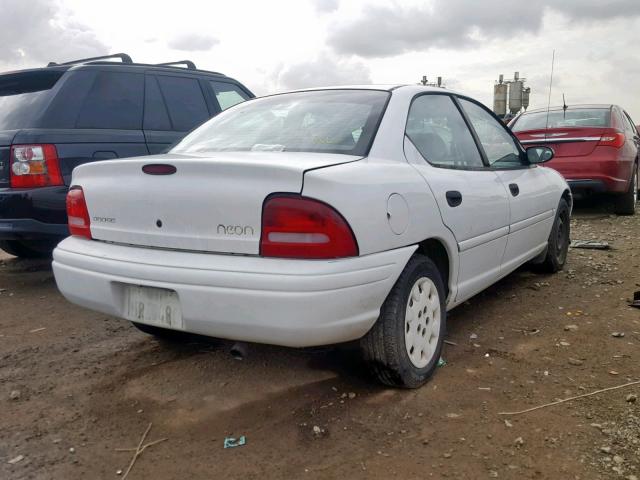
[[75, 386]]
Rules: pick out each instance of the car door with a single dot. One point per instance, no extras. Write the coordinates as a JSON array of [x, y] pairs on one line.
[[632, 143], [532, 198], [174, 105], [472, 201]]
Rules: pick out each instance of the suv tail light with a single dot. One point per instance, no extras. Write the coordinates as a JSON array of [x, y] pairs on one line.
[[300, 227], [615, 140], [35, 166], [78, 214]]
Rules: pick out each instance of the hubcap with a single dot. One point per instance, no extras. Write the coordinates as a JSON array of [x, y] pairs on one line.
[[422, 322]]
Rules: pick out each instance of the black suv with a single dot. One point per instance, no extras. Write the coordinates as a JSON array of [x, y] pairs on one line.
[[63, 115]]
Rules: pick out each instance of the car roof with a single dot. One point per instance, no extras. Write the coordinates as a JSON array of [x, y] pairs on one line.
[[383, 87]]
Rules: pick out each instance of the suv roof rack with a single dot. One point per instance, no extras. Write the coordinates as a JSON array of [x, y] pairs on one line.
[[188, 63], [122, 56]]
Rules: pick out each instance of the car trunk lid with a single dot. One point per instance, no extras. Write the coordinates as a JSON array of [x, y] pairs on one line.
[[210, 203], [565, 141]]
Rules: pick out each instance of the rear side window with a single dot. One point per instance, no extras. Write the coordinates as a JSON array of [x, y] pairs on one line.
[[185, 102], [579, 117], [438, 131], [23, 97], [114, 101], [227, 94]]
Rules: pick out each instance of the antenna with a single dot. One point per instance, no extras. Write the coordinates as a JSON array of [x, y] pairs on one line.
[[553, 61]]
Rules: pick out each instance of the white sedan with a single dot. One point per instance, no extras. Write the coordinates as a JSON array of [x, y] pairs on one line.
[[317, 217]]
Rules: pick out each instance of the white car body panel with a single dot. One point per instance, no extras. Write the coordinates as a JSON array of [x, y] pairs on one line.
[[393, 201], [203, 219], [296, 303]]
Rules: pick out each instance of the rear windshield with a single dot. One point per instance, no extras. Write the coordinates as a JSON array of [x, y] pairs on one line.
[[579, 117], [329, 121], [23, 96]]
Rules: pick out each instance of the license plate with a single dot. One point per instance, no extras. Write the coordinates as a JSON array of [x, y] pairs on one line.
[[153, 306]]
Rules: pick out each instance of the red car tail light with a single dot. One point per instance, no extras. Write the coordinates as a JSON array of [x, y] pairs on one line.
[[615, 140], [35, 166], [78, 214], [300, 227]]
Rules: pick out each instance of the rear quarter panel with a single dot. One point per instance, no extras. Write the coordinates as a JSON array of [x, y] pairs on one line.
[[360, 191]]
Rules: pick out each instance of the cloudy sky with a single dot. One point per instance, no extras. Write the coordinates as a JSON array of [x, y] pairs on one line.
[[284, 44]]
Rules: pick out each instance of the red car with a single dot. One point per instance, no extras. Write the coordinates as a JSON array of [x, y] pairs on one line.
[[596, 148]]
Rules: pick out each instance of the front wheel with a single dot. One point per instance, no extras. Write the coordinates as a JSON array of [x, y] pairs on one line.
[[626, 203], [404, 345], [559, 239]]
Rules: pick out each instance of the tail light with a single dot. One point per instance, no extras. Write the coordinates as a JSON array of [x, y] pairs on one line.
[[300, 227], [78, 214], [35, 166], [615, 140]]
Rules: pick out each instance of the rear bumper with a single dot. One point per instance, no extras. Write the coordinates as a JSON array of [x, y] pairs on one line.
[[587, 186], [28, 229], [600, 171], [33, 213], [293, 303]]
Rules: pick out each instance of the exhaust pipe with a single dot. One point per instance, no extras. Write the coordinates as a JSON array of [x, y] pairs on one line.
[[239, 350]]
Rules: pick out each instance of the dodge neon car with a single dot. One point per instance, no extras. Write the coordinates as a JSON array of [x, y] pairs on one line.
[[317, 217]]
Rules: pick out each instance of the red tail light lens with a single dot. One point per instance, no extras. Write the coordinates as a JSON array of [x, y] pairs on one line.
[[615, 140], [78, 214], [35, 166], [300, 227]]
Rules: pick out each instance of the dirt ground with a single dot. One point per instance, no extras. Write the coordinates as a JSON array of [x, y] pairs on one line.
[[76, 385]]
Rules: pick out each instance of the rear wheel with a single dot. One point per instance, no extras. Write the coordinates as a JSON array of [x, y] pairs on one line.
[[28, 248], [404, 345], [559, 239], [626, 203]]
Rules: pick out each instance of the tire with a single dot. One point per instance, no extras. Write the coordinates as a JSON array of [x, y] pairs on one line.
[[164, 334], [29, 248], [559, 239], [385, 346], [626, 203]]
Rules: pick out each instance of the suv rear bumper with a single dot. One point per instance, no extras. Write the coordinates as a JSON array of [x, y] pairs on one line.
[[296, 303], [36, 213], [28, 229]]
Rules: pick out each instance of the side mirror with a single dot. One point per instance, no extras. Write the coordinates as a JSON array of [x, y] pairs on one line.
[[539, 154]]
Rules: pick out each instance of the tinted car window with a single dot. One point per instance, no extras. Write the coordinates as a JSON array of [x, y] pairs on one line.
[[156, 116], [579, 117], [498, 145], [185, 102], [328, 121], [227, 94], [440, 134], [23, 96], [114, 101]]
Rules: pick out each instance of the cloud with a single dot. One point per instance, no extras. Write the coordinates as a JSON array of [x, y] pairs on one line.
[[192, 42], [325, 6], [460, 23], [325, 70], [38, 31]]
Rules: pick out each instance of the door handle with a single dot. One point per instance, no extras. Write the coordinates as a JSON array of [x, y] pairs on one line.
[[515, 190], [454, 198]]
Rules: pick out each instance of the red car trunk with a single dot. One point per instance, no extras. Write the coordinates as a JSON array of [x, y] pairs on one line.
[[566, 141]]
